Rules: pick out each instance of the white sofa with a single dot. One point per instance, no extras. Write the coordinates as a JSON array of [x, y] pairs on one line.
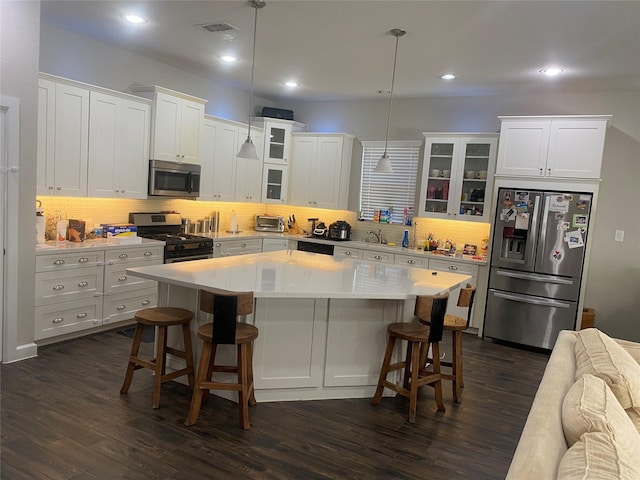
[[542, 444]]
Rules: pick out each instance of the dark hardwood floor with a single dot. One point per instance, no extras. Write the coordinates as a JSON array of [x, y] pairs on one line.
[[63, 418]]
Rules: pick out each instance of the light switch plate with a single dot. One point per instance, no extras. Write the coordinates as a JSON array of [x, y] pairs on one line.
[[619, 236]]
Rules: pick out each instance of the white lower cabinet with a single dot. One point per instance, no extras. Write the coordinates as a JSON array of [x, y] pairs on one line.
[[275, 244], [83, 290], [347, 252], [229, 248]]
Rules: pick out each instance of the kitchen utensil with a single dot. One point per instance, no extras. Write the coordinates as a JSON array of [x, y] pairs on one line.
[[311, 226], [320, 230]]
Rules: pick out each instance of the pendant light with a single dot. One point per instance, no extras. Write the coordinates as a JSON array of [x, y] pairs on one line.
[[248, 149], [384, 164]]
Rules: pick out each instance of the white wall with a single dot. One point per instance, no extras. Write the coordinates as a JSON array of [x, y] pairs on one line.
[[19, 46], [87, 60]]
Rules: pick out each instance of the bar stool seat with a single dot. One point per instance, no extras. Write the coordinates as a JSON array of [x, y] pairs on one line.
[[419, 338], [162, 318], [225, 307]]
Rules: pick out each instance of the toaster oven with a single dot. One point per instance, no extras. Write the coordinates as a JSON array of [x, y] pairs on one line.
[[267, 223]]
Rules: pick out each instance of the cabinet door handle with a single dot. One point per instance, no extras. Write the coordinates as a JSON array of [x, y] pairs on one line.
[[548, 171], [122, 278], [83, 260], [121, 307], [83, 284], [541, 172], [148, 254], [123, 255], [58, 287], [58, 320], [58, 188], [58, 262], [146, 302], [51, 187], [453, 267], [81, 315]]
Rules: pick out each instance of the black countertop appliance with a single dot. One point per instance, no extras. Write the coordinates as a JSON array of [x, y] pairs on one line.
[[340, 230]]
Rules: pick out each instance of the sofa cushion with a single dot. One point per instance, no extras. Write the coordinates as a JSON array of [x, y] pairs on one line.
[[590, 406], [596, 456], [599, 355]]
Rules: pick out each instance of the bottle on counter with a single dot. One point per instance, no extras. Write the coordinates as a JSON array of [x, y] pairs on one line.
[[405, 239]]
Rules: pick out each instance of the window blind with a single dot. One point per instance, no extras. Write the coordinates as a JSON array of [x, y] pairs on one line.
[[389, 191]]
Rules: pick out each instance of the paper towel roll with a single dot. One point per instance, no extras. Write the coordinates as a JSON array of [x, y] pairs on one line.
[[234, 222]]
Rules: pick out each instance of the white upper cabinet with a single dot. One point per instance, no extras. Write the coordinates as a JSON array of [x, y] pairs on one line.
[[278, 138], [457, 176], [176, 124], [320, 170], [275, 183], [218, 153], [557, 147], [119, 131], [248, 181], [63, 138]]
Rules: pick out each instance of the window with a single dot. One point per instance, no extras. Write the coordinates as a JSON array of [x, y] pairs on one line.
[[389, 191]]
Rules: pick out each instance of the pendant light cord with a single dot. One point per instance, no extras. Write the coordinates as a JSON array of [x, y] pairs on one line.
[[257, 5], [398, 33]]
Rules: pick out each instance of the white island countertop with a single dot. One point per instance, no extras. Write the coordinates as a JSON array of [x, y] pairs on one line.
[[294, 274]]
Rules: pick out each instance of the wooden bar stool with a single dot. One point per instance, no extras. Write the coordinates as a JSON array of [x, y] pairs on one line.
[[225, 329], [419, 337], [161, 317], [456, 325]]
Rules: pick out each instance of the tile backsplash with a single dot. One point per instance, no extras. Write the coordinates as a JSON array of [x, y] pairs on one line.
[[110, 210]]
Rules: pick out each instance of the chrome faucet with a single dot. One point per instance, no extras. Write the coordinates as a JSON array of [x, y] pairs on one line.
[[379, 237]]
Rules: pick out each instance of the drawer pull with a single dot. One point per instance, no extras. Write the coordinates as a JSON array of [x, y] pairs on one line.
[[453, 267], [378, 257], [58, 262], [218, 244], [412, 262], [58, 287], [146, 302], [58, 320], [122, 278], [348, 253], [123, 255], [242, 245], [148, 254], [121, 307], [83, 284], [82, 315], [83, 260]]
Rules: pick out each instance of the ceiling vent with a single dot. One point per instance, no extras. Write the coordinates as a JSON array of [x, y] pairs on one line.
[[218, 27]]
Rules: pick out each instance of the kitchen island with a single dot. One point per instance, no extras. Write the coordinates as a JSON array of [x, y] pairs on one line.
[[322, 319]]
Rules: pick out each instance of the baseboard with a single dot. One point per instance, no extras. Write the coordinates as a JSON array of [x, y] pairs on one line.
[[28, 350]]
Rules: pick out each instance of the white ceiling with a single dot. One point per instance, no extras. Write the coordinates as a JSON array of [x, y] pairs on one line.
[[343, 49]]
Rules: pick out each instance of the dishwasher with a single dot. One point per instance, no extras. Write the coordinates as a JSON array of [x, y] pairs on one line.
[[313, 247]]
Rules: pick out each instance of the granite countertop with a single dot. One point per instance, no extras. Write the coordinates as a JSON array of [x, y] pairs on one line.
[[294, 274], [397, 250], [93, 244]]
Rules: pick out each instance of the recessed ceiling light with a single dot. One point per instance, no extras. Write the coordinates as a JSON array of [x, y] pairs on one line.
[[132, 18], [447, 76], [552, 71], [291, 84], [228, 58]]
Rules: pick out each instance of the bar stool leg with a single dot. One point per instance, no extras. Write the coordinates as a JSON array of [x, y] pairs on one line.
[[252, 397], [161, 358], [203, 375], [243, 392], [456, 366], [384, 370], [413, 387], [131, 366], [188, 354]]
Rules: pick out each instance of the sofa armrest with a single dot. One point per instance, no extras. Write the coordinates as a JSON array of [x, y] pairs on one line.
[[542, 444]]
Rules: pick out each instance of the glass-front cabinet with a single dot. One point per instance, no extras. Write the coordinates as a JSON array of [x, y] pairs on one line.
[[457, 176], [278, 139], [274, 183]]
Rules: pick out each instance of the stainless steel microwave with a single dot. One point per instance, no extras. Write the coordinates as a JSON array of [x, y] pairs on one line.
[[170, 179]]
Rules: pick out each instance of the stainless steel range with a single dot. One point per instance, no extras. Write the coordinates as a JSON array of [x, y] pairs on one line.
[[167, 226]]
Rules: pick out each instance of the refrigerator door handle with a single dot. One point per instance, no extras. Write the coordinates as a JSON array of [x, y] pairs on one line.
[[530, 250], [532, 300], [535, 278]]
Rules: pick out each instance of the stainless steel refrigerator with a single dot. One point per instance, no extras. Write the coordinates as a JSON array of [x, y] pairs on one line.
[[537, 258]]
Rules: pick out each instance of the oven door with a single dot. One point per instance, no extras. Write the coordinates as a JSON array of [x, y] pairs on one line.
[[168, 179], [188, 258]]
